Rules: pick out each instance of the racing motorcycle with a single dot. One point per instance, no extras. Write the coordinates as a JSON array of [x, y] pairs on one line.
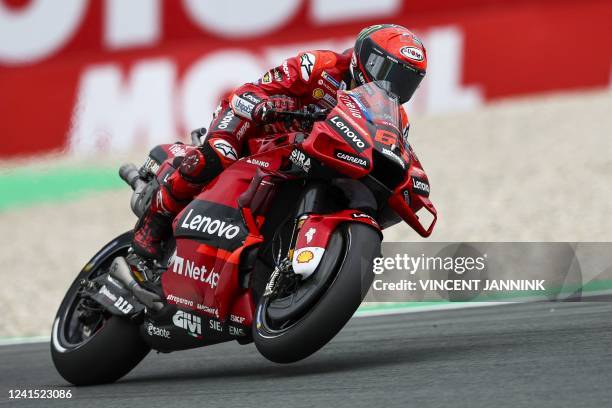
[[277, 250]]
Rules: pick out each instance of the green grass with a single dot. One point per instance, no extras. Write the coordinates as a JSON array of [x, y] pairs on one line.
[[26, 187]]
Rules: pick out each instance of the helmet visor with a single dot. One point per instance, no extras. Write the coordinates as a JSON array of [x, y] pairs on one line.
[[403, 78]]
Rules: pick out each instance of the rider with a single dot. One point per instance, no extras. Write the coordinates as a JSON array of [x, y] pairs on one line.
[[382, 52]]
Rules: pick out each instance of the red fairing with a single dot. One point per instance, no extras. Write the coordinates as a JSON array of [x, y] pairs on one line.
[[211, 234], [343, 141], [317, 228], [413, 195]]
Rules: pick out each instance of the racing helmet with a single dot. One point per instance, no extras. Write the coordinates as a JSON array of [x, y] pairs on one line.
[[389, 52]]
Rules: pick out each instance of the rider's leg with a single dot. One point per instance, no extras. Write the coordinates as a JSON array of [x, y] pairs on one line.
[[198, 167]]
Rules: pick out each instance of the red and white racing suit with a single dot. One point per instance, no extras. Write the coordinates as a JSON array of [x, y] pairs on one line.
[[311, 77]]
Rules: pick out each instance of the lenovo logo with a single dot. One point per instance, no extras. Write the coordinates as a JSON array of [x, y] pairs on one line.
[[209, 226], [348, 133]]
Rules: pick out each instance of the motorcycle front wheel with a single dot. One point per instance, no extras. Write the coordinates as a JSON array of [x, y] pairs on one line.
[[350, 255]]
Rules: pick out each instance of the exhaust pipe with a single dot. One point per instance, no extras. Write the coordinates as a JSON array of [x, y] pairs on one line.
[[120, 270]]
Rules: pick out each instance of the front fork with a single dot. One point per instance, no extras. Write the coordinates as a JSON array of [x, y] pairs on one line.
[[318, 215]]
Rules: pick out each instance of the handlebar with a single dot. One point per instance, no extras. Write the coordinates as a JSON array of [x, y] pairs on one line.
[[129, 173], [273, 115]]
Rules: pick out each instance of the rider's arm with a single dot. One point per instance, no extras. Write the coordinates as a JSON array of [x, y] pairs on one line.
[[290, 80]]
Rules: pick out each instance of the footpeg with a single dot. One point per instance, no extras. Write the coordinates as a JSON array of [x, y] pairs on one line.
[[121, 271]]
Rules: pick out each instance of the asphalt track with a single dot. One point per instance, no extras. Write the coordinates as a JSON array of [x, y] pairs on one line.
[[519, 355]]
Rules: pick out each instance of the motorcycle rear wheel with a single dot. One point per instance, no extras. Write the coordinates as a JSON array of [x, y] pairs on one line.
[[104, 349]]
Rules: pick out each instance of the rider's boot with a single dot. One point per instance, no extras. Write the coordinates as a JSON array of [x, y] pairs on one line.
[[155, 225]]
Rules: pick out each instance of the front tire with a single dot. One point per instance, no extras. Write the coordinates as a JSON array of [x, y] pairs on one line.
[[100, 348], [299, 339]]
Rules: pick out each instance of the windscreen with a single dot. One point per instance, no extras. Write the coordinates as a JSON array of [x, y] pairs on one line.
[[379, 105]]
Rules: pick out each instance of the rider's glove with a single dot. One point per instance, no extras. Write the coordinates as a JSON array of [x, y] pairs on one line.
[[264, 111]]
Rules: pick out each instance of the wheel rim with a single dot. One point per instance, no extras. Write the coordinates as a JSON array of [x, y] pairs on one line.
[[267, 330], [80, 318]]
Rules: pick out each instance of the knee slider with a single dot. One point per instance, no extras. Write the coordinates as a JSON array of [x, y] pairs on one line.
[[200, 165]]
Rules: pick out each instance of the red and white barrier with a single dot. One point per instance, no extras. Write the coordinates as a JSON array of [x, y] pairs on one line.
[[109, 75]]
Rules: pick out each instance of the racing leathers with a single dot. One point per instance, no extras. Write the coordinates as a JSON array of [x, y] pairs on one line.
[[311, 77]]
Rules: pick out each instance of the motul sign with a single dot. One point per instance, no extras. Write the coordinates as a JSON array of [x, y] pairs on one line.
[[113, 75], [36, 29]]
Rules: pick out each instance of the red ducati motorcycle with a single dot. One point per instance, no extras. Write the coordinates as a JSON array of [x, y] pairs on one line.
[[277, 250]]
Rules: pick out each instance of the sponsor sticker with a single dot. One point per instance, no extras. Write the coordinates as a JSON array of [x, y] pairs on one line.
[[305, 260], [257, 162], [104, 291], [250, 97], [176, 299], [300, 159], [305, 256], [245, 126], [209, 226], [178, 149], [278, 76], [330, 79], [310, 234], [213, 223], [267, 78], [123, 305], [226, 120], [395, 157], [420, 186], [188, 268], [329, 99], [364, 215], [406, 195], [243, 107], [151, 165], [153, 330], [189, 322], [412, 53], [348, 133], [207, 309], [236, 331], [226, 149], [352, 159], [351, 105], [307, 61], [285, 67], [237, 319], [215, 325], [318, 93]]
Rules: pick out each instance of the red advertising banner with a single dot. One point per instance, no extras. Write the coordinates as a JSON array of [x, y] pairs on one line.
[[110, 75]]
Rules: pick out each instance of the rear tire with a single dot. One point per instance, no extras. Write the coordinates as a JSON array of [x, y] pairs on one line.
[[101, 352], [335, 307], [110, 354]]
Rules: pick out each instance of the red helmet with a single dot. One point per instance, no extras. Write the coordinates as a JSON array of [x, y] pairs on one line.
[[388, 52]]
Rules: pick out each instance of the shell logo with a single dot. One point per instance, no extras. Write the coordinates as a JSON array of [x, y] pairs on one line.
[[412, 53], [318, 93], [305, 257]]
